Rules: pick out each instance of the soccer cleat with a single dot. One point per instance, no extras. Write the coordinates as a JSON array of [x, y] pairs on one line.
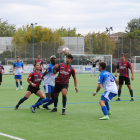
[[17, 88], [104, 118], [132, 99], [54, 110], [47, 108], [109, 112], [118, 99], [32, 109], [63, 112], [16, 107], [21, 87]]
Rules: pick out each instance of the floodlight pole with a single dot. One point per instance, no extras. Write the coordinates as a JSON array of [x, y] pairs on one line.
[[33, 42]]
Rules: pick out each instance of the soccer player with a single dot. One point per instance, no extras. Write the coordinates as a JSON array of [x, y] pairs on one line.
[[93, 70], [65, 70], [34, 80], [1, 71], [48, 86], [40, 61], [109, 83], [17, 71], [123, 66]]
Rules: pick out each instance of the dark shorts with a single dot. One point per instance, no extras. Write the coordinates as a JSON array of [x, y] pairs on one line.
[[33, 89], [0, 77], [58, 87], [122, 79]]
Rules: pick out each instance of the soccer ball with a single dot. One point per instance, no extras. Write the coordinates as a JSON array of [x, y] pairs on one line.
[[65, 51]]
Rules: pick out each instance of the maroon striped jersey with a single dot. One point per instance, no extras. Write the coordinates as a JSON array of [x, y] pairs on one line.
[[1, 68], [64, 73], [40, 61], [124, 68], [35, 78]]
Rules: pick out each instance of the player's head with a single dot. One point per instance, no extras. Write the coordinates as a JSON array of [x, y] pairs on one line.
[[37, 66], [53, 59], [122, 56], [93, 60], [18, 58], [102, 66], [38, 56], [69, 59]]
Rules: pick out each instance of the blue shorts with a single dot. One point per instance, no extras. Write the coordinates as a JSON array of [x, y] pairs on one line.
[[48, 89], [18, 76], [107, 96]]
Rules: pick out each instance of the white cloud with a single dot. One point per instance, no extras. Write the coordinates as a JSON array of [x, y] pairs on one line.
[[85, 15]]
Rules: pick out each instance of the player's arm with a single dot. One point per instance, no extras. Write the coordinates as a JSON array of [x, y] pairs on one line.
[[98, 88], [116, 72], [42, 65], [3, 69], [56, 68], [14, 69], [75, 79], [132, 72], [29, 80], [22, 68]]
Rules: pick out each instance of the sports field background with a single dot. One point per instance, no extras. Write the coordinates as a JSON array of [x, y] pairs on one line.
[[82, 113]]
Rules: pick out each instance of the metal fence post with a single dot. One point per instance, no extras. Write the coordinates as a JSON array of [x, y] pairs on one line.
[[130, 48]]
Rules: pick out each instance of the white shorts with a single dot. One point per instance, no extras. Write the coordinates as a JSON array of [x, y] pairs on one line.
[[48, 89]]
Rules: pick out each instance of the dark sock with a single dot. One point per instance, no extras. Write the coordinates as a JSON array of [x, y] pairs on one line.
[[55, 102], [119, 93], [49, 103], [64, 101], [39, 100], [17, 84], [22, 100], [131, 93], [21, 83], [107, 105], [104, 109]]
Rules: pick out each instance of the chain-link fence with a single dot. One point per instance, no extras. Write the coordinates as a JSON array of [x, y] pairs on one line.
[[77, 45]]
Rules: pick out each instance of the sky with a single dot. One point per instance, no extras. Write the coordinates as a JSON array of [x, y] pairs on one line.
[[84, 15]]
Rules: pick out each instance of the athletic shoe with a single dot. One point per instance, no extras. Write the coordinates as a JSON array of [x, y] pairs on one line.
[[17, 88], [132, 99], [54, 110], [16, 107], [63, 112], [104, 118], [32, 109], [118, 99], [109, 112], [21, 87], [47, 108]]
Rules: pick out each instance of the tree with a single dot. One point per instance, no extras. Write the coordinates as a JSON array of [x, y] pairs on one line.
[[6, 29], [68, 32], [133, 24], [44, 39], [98, 43]]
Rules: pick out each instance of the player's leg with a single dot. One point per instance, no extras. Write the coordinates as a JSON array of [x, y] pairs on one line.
[[16, 79], [20, 79], [64, 99], [95, 71], [0, 79], [92, 71], [121, 80], [27, 95], [131, 92]]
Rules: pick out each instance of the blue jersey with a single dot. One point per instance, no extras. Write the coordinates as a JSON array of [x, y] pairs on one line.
[[108, 82], [18, 68], [50, 76]]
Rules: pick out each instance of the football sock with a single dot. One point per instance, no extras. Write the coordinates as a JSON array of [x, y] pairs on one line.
[[119, 93], [131, 93], [49, 103], [21, 83], [104, 109], [107, 105], [64, 100], [55, 102], [17, 84], [41, 102], [22, 100]]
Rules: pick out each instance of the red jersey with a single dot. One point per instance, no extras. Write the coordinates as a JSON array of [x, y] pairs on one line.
[[1, 68], [40, 61], [64, 73], [35, 78], [124, 68]]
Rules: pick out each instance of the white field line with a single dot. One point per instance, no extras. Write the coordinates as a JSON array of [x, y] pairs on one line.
[[12, 137]]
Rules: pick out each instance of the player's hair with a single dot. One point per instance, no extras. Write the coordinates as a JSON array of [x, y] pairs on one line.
[[103, 65], [122, 54], [36, 63], [18, 57], [53, 56], [70, 56]]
